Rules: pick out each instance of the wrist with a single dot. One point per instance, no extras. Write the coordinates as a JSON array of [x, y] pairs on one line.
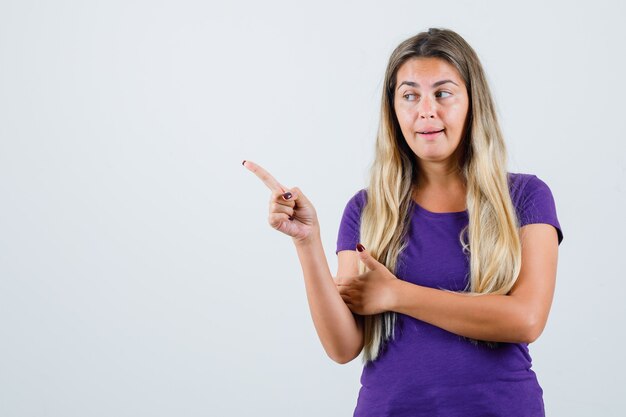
[[396, 287], [308, 241]]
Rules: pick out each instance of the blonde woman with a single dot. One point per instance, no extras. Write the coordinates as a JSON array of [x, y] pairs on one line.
[[447, 261]]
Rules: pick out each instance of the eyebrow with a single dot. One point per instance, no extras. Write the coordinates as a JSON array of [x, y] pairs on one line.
[[414, 84]]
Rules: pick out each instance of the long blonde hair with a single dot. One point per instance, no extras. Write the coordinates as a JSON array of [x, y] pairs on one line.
[[493, 229]]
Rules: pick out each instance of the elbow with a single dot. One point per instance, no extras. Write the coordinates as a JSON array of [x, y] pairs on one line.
[[344, 356], [342, 359], [533, 329]]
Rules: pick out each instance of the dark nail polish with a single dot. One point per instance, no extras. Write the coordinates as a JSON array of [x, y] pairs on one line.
[[287, 195], [360, 247], [244, 162], [290, 218]]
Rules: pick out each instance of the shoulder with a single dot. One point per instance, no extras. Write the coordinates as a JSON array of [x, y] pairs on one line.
[[356, 203], [518, 180], [349, 227], [358, 200], [533, 200], [354, 207], [523, 185]]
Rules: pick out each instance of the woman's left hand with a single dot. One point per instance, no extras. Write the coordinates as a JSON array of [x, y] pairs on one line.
[[371, 292]]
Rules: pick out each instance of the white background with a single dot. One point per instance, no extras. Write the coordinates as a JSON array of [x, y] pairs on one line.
[[138, 274]]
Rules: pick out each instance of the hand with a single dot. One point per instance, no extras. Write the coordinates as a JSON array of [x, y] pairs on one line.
[[371, 292], [292, 214]]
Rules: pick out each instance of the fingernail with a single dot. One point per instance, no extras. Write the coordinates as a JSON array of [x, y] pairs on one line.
[[287, 195], [290, 218], [360, 247], [244, 162]]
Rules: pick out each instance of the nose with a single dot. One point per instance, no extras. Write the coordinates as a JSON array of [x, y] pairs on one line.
[[426, 107]]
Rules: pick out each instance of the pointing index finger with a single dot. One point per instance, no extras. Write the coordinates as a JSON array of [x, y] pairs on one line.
[[265, 176]]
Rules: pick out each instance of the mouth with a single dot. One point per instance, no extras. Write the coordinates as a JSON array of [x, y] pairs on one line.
[[432, 134]]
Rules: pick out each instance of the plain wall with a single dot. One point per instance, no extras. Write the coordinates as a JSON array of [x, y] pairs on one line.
[[138, 273]]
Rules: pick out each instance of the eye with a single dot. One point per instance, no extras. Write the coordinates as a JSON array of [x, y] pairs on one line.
[[443, 92], [406, 97]]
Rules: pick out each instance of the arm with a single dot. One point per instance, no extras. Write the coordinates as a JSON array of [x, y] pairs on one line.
[[338, 329], [292, 213], [518, 317]]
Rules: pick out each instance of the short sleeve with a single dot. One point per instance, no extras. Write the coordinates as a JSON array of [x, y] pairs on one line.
[[538, 206], [349, 227]]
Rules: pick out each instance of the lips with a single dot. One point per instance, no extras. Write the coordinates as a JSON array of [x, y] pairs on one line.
[[426, 132]]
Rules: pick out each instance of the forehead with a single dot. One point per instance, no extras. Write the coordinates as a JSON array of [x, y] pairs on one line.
[[426, 71]]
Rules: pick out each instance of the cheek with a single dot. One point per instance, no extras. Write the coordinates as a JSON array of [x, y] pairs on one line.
[[405, 118], [455, 115]]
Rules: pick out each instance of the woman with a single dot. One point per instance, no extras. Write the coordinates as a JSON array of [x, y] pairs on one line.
[[460, 267]]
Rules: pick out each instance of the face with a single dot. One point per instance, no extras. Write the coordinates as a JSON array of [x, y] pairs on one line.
[[431, 96]]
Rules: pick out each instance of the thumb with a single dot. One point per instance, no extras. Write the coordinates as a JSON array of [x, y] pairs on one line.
[[300, 198], [366, 258]]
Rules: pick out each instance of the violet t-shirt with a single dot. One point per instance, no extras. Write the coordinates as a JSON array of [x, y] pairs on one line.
[[426, 370]]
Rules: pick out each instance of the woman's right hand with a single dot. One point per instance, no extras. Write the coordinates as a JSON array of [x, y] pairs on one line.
[[290, 211]]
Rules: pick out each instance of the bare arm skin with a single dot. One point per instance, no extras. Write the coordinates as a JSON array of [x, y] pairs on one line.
[[520, 316], [517, 317], [291, 212], [340, 331]]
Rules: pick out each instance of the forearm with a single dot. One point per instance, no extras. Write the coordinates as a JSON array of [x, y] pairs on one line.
[[496, 318], [334, 322]]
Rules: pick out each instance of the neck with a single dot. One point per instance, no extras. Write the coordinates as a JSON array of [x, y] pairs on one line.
[[435, 175]]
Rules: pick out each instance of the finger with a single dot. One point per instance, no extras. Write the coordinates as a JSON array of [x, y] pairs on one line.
[[366, 258], [280, 208], [276, 219], [298, 195], [281, 198], [351, 306], [343, 282], [265, 176]]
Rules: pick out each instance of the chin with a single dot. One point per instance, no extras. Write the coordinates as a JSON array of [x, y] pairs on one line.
[[433, 157]]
